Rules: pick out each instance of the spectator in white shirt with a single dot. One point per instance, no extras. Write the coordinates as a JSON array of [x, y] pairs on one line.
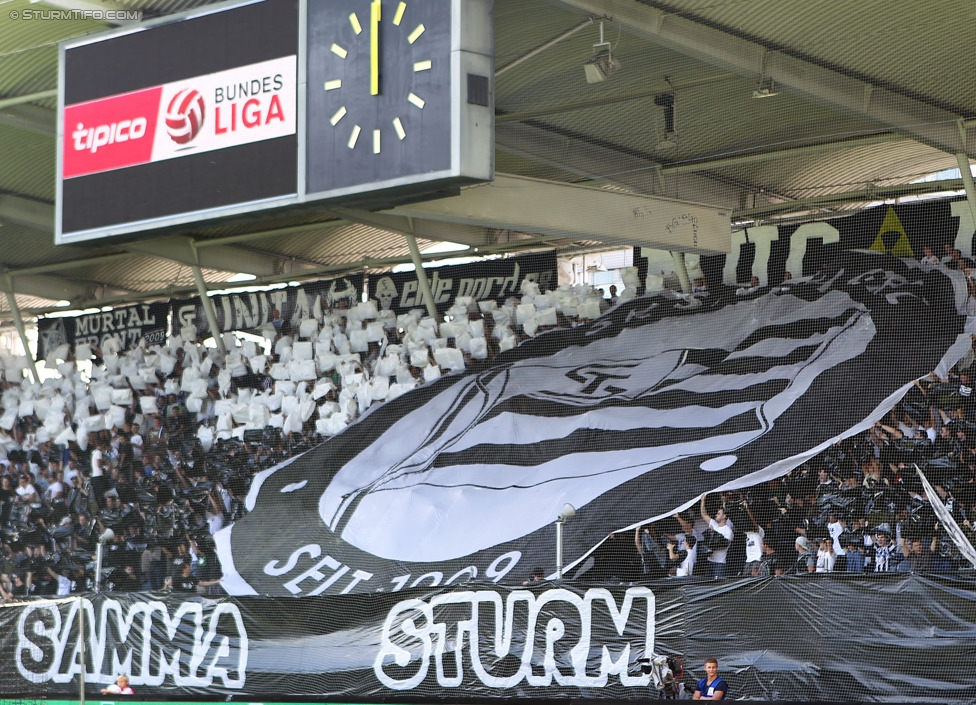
[[720, 525]]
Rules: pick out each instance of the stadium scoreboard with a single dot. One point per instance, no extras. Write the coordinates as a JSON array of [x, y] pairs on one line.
[[239, 108]]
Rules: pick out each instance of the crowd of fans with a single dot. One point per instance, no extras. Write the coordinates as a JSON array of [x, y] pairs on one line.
[[152, 451], [858, 507]]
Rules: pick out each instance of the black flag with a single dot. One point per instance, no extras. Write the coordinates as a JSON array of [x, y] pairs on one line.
[[627, 418]]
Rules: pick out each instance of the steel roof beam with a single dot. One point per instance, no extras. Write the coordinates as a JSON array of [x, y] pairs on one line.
[[30, 118], [606, 101], [221, 257], [25, 211], [60, 288], [862, 196], [579, 213], [428, 229], [789, 153], [28, 98], [71, 264], [922, 121], [599, 163], [268, 234]]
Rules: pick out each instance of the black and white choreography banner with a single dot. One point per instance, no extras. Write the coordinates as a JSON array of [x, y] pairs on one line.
[[251, 311], [483, 641], [127, 324], [628, 418], [947, 521], [489, 280]]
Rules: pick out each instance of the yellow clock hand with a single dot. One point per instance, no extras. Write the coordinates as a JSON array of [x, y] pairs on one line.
[[374, 47]]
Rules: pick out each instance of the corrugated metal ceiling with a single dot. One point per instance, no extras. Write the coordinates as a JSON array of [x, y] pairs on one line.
[[918, 50]]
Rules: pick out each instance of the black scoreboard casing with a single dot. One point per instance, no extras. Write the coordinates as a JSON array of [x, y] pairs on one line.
[[268, 176], [122, 199]]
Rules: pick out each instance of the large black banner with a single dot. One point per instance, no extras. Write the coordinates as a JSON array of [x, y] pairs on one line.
[[770, 251], [628, 418], [895, 638], [127, 324], [490, 280], [251, 311]]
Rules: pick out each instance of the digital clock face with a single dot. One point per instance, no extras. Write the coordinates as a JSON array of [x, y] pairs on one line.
[[379, 91]]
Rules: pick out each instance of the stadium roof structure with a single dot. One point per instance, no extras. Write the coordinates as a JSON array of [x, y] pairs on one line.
[[770, 109]]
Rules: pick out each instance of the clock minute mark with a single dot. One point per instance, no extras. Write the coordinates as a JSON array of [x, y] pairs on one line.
[[416, 100], [415, 34], [398, 17], [339, 114], [398, 126], [376, 141], [354, 21], [339, 51], [422, 66], [354, 137], [333, 85]]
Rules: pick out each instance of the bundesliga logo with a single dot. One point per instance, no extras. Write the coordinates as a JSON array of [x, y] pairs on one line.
[[184, 115]]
